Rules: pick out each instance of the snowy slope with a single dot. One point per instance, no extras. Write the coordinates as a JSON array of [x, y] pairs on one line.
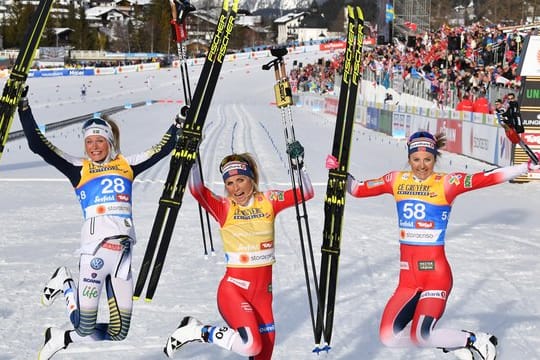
[[492, 238]]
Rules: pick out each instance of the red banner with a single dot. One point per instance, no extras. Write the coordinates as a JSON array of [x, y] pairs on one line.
[[453, 130], [330, 106], [335, 45]]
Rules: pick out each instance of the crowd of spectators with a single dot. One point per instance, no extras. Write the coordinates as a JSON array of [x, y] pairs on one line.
[[316, 78], [476, 64]]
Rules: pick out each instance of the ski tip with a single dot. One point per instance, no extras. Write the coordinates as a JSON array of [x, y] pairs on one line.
[[350, 10], [135, 298], [148, 300], [318, 349], [360, 13]]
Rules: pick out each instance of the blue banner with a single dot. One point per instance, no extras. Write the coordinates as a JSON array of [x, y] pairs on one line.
[[61, 72], [389, 13]]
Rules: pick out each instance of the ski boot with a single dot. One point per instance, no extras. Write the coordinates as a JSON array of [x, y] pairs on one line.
[[189, 330], [482, 346], [61, 282], [55, 340]]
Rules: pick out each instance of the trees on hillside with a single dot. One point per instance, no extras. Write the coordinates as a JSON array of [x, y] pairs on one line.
[[148, 29]]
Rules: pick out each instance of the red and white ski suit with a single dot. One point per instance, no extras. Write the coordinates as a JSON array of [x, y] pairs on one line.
[[244, 294], [425, 280]]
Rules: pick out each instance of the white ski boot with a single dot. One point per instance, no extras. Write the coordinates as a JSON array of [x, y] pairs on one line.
[[61, 282], [55, 285], [55, 340], [189, 330], [480, 346], [484, 345]]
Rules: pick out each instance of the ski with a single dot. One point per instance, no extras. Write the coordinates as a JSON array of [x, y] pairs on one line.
[[284, 101], [184, 155], [15, 84], [337, 180]]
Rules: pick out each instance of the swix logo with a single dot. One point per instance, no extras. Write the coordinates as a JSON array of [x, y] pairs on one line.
[[122, 197], [532, 139], [420, 224], [267, 245]]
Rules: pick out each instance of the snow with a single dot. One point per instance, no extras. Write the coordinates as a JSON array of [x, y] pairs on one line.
[[491, 241]]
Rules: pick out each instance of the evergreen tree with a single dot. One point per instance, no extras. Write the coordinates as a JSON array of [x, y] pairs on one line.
[[18, 18]]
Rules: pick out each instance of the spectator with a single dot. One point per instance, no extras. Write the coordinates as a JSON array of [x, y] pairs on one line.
[[481, 104], [465, 104]]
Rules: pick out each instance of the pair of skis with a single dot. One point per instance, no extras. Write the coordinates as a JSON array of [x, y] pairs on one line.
[[180, 10], [284, 101], [16, 82], [184, 155], [336, 189]]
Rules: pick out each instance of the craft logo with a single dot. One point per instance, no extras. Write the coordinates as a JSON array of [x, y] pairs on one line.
[[267, 245], [122, 197], [422, 224]]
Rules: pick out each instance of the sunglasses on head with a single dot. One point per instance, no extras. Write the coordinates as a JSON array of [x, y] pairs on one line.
[[96, 121]]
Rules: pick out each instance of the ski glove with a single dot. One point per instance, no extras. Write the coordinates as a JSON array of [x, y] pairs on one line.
[[331, 162], [296, 153], [531, 166], [295, 149], [181, 116], [23, 102]]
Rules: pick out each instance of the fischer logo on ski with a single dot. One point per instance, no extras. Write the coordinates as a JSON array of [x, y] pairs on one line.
[[15, 84], [185, 153], [337, 180]]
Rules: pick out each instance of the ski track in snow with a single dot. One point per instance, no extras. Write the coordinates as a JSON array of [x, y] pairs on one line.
[[491, 240]]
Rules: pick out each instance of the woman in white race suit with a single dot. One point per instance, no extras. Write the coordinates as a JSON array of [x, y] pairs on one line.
[[103, 184]]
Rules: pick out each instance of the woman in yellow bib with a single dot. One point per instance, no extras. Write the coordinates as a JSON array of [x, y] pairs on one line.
[[246, 217], [424, 200], [103, 181]]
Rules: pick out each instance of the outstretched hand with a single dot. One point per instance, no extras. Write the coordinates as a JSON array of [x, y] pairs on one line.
[[181, 116], [331, 162], [295, 150], [23, 101], [296, 154], [531, 166]]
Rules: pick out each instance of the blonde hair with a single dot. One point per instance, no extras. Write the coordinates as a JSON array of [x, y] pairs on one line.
[[116, 132]]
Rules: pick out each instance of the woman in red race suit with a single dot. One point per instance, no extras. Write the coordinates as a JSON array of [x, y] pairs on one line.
[[424, 200], [246, 217]]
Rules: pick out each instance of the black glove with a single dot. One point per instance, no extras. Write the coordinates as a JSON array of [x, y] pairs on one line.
[[23, 102], [181, 116], [295, 149], [296, 153]]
